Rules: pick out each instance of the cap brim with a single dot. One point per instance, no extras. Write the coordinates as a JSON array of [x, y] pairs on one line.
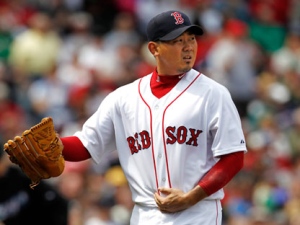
[[175, 33]]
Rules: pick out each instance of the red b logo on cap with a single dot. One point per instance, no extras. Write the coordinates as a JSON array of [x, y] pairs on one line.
[[177, 16]]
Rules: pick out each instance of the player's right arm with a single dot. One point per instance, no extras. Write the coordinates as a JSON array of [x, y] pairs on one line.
[[74, 150]]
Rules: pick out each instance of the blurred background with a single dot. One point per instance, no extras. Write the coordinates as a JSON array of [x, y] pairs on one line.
[[60, 58]]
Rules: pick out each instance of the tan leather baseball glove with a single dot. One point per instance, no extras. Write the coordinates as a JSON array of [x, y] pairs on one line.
[[38, 152]]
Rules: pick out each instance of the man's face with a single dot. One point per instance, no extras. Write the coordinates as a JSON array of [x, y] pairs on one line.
[[176, 56]]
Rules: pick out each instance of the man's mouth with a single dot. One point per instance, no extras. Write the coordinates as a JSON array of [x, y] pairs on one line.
[[187, 57]]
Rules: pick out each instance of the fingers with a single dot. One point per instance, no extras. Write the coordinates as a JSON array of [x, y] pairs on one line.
[[162, 201], [158, 199], [11, 148], [164, 190], [170, 200]]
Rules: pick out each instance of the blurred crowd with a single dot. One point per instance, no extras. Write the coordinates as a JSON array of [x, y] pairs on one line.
[[60, 58]]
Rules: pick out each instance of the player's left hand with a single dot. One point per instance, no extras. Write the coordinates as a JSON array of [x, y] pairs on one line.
[[171, 200], [38, 152]]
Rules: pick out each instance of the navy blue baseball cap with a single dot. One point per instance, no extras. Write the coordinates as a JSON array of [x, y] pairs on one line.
[[169, 25]]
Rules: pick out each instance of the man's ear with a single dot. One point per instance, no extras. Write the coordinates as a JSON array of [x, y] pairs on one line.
[[152, 46]]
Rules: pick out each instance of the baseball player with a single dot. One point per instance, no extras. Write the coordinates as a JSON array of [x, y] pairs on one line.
[[177, 132]]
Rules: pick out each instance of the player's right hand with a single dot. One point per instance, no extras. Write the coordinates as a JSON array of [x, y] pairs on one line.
[[171, 200]]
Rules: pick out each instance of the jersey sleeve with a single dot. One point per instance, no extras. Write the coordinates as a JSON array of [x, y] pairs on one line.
[[97, 134], [225, 124]]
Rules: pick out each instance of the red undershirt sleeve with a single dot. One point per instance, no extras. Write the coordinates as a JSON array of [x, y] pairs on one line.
[[74, 151], [222, 172]]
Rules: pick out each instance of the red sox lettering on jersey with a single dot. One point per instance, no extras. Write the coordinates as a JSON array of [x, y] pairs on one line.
[[181, 135]]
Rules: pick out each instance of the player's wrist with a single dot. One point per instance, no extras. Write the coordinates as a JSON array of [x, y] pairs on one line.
[[195, 195]]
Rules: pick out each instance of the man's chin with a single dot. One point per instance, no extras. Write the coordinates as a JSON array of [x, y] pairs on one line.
[[185, 70]]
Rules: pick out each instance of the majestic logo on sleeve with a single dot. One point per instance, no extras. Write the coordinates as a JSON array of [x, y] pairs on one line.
[[181, 135], [178, 17]]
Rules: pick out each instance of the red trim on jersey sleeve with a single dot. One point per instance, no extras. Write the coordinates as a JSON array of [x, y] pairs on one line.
[[74, 151], [222, 172]]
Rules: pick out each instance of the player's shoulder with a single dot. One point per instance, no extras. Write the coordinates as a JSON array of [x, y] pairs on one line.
[[207, 83]]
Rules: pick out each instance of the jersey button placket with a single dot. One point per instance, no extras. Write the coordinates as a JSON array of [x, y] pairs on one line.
[[159, 154]]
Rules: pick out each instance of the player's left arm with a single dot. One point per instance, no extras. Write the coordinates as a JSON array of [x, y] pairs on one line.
[[222, 172], [74, 151], [217, 177]]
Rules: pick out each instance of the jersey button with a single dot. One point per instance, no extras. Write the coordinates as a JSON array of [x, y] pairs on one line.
[[159, 155], [164, 179], [156, 107]]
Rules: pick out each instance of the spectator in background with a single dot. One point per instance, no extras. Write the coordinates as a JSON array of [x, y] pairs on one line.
[[111, 203], [123, 32], [71, 185], [74, 73], [285, 64], [232, 61], [6, 40], [79, 25], [12, 115], [21, 205], [49, 96], [99, 60], [287, 58], [123, 41], [212, 21], [265, 28], [15, 15], [292, 206], [102, 12], [34, 52], [293, 133]]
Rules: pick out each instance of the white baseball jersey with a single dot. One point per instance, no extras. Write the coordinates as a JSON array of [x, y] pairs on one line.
[[172, 141]]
